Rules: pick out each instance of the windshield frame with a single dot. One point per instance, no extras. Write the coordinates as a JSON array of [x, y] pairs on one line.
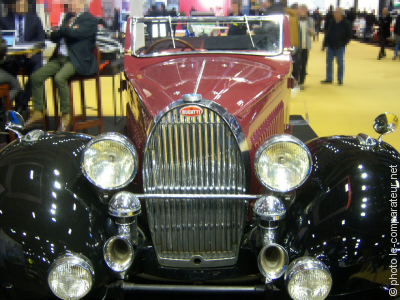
[[243, 19]]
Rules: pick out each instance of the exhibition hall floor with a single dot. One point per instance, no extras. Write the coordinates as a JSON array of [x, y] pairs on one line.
[[370, 87]]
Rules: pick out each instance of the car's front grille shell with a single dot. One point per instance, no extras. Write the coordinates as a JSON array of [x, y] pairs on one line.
[[194, 155]]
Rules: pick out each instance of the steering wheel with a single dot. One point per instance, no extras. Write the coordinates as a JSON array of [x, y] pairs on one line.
[[148, 51]]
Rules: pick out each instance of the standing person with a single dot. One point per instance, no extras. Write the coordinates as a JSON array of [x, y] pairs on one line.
[[384, 31], [306, 31], [370, 20], [76, 39], [172, 13], [29, 28], [296, 56], [116, 19], [336, 39], [397, 36], [317, 23], [351, 16], [328, 18]]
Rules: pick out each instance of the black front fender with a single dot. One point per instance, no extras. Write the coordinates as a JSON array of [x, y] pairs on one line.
[[342, 215], [47, 208]]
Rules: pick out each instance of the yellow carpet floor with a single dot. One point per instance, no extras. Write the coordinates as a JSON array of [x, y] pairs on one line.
[[370, 87]]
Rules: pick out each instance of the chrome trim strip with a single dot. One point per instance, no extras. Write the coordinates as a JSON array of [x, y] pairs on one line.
[[197, 196]]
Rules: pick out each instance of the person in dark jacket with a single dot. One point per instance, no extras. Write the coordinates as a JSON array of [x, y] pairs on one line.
[[336, 39], [29, 28], [317, 23], [351, 16], [76, 39], [328, 19], [116, 23], [397, 36], [370, 20], [384, 30]]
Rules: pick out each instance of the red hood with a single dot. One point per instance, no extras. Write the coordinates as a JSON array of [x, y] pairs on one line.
[[232, 81]]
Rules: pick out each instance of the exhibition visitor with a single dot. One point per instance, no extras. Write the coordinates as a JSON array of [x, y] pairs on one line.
[[336, 38]]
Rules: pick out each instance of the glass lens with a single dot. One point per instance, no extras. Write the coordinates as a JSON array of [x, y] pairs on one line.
[[70, 281], [310, 285], [109, 164], [283, 166]]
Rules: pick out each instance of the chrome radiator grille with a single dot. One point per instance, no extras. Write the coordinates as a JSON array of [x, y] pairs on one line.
[[194, 155]]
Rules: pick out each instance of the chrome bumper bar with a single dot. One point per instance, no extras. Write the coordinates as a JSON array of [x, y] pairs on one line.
[[174, 288], [198, 196]]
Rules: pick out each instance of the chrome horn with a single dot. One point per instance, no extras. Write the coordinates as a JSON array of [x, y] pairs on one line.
[[118, 250], [272, 260], [385, 124]]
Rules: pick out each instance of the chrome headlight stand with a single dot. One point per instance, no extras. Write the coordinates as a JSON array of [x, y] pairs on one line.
[[269, 211], [118, 250]]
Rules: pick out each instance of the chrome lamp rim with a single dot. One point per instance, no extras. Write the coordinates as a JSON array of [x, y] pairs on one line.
[[304, 263], [72, 258], [281, 138], [119, 138]]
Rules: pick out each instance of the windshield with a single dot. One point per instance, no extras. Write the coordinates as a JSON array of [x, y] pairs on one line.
[[255, 35]]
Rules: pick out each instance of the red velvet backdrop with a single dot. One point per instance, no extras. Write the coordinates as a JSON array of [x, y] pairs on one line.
[[204, 5]]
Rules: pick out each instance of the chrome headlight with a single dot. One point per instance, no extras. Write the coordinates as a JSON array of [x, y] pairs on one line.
[[282, 163], [110, 161], [71, 276], [307, 278]]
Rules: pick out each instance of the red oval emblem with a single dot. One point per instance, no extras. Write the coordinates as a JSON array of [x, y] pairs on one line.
[[191, 111]]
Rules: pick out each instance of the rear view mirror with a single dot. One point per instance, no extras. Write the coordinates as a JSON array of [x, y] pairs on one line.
[[385, 123]]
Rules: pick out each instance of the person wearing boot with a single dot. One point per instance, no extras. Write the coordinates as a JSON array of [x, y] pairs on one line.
[[75, 38], [384, 31]]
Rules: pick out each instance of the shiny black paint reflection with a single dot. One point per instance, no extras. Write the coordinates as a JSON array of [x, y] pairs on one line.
[[46, 208], [342, 214]]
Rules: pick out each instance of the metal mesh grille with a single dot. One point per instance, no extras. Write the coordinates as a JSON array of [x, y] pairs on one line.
[[194, 155]]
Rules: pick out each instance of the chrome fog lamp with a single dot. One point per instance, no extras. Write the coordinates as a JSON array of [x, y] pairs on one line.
[[110, 161], [308, 278], [71, 276], [282, 163]]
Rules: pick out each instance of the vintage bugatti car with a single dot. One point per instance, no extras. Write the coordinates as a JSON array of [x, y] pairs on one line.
[[208, 192]]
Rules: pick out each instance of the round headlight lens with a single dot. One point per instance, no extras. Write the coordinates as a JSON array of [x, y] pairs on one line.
[[70, 276], [283, 163], [307, 278], [110, 161]]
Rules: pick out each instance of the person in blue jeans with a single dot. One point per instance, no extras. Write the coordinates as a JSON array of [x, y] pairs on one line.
[[396, 32], [337, 36]]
